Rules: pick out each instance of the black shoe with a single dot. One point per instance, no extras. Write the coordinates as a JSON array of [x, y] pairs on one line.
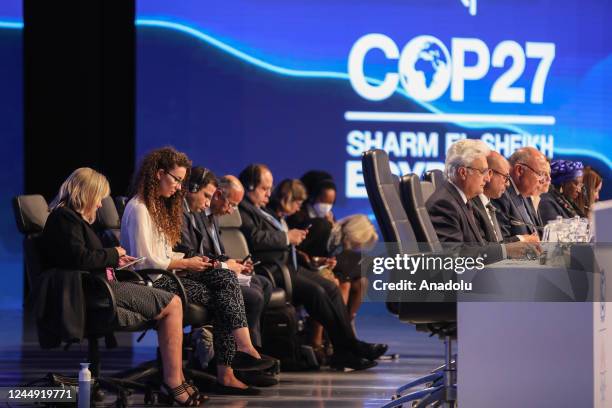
[[246, 362], [340, 361], [256, 378], [227, 390], [370, 351]]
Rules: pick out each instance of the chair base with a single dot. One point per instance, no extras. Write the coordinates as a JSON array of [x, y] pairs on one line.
[[441, 385]]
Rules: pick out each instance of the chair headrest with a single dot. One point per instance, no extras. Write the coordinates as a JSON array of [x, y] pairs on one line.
[[411, 190], [232, 220], [108, 217], [31, 212]]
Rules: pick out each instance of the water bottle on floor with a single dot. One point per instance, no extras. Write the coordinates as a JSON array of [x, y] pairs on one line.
[[84, 386]]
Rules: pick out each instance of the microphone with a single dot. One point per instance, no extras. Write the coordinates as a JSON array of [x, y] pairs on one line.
[[514, 221]]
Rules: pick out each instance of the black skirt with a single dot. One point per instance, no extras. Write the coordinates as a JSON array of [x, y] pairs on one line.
[[138, 303]]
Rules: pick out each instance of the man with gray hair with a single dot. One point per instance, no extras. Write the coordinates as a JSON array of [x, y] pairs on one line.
[[451, 209], [516, 214]]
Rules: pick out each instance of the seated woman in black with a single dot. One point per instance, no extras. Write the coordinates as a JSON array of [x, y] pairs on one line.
[[566, 186], [69, 242]]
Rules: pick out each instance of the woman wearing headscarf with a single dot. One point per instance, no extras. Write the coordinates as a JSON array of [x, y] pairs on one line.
[[566, 187]]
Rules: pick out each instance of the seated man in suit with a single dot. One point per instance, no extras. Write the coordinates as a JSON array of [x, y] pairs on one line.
[[450, 206], [499, 180], [270, 241], [516, 214], [204, 200]]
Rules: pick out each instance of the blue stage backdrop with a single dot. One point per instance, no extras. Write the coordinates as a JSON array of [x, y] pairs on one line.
[[312, 84], [11, 152]]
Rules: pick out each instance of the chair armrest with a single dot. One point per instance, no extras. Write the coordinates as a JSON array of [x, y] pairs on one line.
[[267, 270], [282, 280], [172, 275], [129, 275], [101, 283]]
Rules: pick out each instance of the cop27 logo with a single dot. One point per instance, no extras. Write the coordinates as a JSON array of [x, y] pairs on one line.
[[426, 68]]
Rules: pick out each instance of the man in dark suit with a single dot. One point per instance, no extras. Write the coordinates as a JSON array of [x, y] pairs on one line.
[[270, 240], [485, 212], [516, 214], [200, 236], [451, 208]]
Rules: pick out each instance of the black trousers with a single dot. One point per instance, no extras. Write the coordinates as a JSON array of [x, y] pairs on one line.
[[256, 297], [323, 302]]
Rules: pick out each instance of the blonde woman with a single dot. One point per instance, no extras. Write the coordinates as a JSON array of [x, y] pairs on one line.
[[69, 242]]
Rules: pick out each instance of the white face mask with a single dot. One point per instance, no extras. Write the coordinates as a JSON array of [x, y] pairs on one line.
[[322, 209]]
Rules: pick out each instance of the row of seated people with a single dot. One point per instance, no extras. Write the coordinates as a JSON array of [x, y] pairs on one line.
[[158, 223], [504, 204]]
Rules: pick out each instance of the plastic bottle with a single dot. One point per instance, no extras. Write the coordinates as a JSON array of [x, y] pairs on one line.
[[84, 386]]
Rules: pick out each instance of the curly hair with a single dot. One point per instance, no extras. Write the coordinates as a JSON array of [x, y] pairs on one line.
[[167, 213]]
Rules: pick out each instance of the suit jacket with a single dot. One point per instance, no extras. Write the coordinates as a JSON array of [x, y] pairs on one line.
[[192, 232], [486, 226], [552, 206], [509, 209], [211, 224], [450, 218], [266, 242]]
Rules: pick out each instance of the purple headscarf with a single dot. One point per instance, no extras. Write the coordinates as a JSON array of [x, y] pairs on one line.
[[565, 170]]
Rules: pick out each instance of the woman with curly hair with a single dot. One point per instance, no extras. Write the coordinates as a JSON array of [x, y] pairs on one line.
[[151, 227], [566, 186]]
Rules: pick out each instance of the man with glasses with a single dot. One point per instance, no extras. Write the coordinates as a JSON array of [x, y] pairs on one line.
[[451, 207], [516, 214]]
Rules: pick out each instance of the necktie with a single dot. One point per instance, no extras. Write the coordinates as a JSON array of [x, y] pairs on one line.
[[472, 219], [213, 234], [491, 210], [522, 207]]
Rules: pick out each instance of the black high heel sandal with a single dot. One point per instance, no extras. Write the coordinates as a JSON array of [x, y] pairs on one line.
[[168, 395]]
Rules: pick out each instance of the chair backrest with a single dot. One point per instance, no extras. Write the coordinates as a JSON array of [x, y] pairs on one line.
[[386, 203], [427, 189], [414, 204], [120, 203], [233, 240], [436, 177], [31, 213], [108, 219]]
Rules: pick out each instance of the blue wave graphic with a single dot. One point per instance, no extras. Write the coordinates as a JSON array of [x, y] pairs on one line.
[[300, 73]]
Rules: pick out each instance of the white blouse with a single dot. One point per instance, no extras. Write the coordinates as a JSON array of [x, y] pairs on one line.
[[140, 237]]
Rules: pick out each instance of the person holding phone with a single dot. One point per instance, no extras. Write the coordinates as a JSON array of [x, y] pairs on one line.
[[151, 227], [70, 242], [206, 199]]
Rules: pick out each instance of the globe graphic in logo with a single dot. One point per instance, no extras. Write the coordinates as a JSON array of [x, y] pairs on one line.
[[425, 67]]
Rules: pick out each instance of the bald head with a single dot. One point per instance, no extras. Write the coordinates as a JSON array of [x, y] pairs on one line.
[[227, 197], [500, 173], [528, 170]]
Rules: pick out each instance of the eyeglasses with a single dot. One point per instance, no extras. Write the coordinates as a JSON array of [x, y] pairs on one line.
[[541, 175], [483, 172], [227, 202], [175, 179], [506, 177]]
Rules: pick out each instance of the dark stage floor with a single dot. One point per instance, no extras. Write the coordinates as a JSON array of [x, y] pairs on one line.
[[21, 360]]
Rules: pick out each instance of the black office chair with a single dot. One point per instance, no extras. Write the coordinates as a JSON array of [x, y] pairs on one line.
[[411, 193], [120, 203], [236, 247], [31, 212], [437, 318], [435, 177]]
